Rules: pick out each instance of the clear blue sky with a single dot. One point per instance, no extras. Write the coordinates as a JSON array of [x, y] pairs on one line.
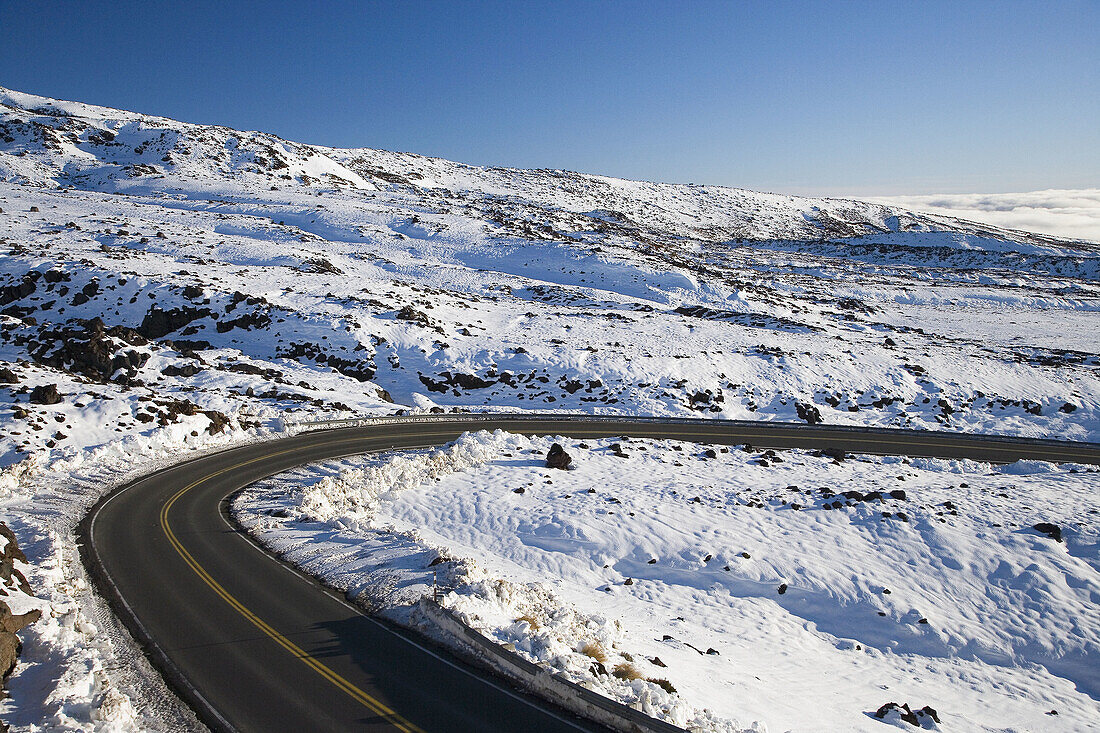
[[803, 97]]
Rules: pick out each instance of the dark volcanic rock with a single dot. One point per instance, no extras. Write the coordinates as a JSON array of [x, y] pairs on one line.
[[45, 394], [158, 323], [432, 385], [10, 646], [420, 318], [464, 381], [556, 457], [248, 321], [187, 370], [91, 350], [1052, 531], [809, 413], [218, 421], [12, 293], [913, 717], [754, 320], [468, 381]]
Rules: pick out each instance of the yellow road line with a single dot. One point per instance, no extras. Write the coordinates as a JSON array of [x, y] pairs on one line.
[[354, 692]]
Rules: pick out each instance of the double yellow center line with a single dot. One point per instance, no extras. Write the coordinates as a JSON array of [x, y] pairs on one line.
[[352, 691]]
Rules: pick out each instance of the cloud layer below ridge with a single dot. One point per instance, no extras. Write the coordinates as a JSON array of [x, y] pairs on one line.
[[1073, 213]]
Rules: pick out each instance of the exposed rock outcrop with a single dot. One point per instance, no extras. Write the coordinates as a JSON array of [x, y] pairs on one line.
[[10, 623]]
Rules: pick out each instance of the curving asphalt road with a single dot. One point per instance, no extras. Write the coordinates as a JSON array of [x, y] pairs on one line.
[[255, 646]]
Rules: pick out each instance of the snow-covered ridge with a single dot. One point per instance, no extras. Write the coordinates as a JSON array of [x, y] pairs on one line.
[[70, 144]]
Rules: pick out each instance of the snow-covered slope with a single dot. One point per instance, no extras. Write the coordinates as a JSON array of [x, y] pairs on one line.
[[166, 285]]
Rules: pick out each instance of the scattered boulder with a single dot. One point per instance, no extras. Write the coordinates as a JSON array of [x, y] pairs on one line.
[[321, 266], [468, 381], [556, 457], [898, 494], [572, 386], [807, 412], [158, 323], [187, 370], [1052, 531], [903, 712], [453, 381], [7, 376], [45, 394], [218, 421], [12, 293], [248, 321], [408, 313]]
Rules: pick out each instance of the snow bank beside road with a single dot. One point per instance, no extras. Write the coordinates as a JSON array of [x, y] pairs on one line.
[[80, 670], [817, 606]]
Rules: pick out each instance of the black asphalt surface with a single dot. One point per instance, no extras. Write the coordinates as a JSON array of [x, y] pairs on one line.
[[255, 646]]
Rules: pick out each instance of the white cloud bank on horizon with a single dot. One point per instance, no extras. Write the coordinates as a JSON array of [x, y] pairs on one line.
[[1071, 213]]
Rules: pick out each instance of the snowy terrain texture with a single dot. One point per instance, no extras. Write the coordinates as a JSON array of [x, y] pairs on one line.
[[784, 589], [167, 287]]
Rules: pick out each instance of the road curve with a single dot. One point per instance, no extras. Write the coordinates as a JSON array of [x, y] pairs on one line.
[[255, 646]]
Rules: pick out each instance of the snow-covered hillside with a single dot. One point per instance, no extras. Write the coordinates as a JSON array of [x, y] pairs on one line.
[[167, 286], [69, 144]]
